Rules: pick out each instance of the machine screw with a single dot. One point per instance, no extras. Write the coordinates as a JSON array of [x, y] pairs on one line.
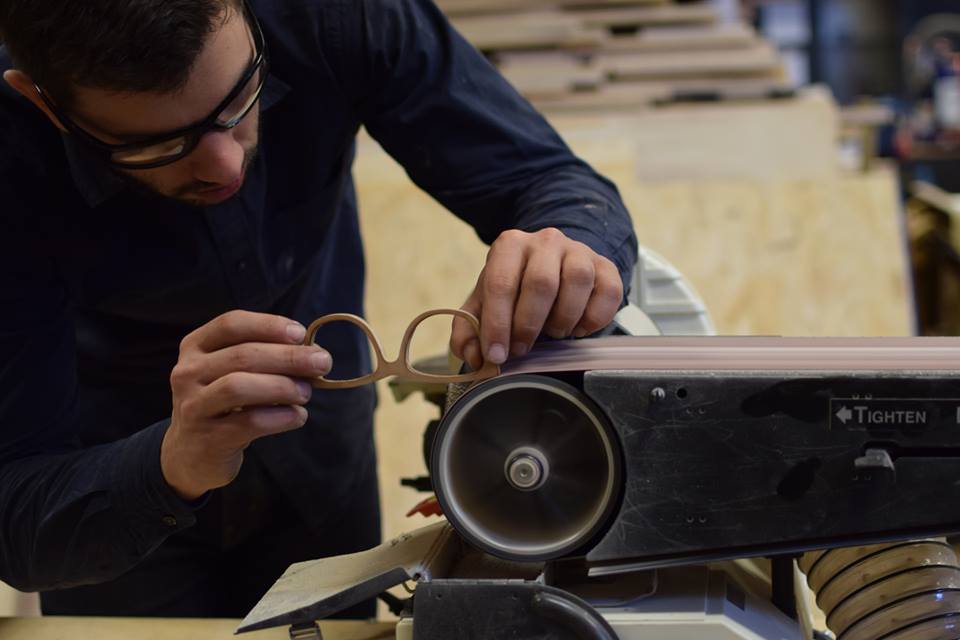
[[526, 469], [525, 472]]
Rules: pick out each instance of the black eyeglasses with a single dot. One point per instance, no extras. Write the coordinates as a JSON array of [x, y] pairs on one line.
[[167, 148]]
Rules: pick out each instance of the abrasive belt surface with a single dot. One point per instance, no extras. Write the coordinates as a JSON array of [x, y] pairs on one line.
[[715, 353]]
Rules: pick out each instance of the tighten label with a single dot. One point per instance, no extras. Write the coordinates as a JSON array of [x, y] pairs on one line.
[[894, 413]]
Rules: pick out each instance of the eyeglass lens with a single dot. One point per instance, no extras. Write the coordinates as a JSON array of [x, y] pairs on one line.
[[227, 119]]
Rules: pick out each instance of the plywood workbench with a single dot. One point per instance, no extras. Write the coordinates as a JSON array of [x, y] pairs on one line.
[[68, 628]]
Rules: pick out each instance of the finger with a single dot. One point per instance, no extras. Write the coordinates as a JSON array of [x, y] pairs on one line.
[[295, 361], [538, 292], [472, 354], [242, 389], [237, 327], [501, 285], [257, 422], [576, 284], [604, 301], [462, 331]]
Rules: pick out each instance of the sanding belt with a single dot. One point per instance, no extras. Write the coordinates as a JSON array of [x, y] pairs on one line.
[[733, 354]]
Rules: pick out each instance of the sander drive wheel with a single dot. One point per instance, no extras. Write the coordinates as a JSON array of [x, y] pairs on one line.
[[526, 467]]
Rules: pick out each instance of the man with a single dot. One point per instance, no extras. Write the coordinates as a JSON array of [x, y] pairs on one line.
[[176, 204]]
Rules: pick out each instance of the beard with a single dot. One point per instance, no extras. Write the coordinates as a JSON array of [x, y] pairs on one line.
[[182, 194]]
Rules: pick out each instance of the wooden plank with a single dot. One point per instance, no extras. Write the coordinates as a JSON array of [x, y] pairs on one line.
[[868, 115], [739, 73], [593, 4], [701, 13], [550, 73], [936, 197], [472, 7], [771, 141], [632, 95], [616, 98], [60, 627], [941, 200], [719, 36], [761, 59], [537, 29]]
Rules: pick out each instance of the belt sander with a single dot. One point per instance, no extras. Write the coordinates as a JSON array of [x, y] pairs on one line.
[[600, 488]]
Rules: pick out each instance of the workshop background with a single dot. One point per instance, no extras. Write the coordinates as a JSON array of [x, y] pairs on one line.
[[796, 160]]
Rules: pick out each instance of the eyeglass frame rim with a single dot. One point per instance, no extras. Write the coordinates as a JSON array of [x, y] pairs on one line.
[[401, 366], [193, 132]]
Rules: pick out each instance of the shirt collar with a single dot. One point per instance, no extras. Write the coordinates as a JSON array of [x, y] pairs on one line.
[[97, 183]]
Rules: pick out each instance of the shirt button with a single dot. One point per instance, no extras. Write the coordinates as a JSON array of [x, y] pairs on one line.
[[242, 265], [169, 520], [286, 264]]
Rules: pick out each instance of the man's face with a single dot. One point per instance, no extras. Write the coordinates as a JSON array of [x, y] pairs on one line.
[[215, 170]]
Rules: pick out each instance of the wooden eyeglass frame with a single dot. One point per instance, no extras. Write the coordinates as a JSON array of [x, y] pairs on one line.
[[401, 366]]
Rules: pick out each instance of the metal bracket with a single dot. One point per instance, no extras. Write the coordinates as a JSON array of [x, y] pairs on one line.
[[875, 459], [305, 631]]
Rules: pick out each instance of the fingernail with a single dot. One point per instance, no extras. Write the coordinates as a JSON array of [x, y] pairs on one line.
[[497, 353], [320, 361], [579, 333], [519, 348], [304, 389], [296, 332], [301, 415]]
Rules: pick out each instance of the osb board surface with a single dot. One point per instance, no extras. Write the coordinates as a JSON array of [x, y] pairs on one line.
[[817, 255], [68, 628], [783, 140], [788, 259]]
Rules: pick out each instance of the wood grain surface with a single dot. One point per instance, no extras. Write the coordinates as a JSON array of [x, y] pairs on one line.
[[64, 628]]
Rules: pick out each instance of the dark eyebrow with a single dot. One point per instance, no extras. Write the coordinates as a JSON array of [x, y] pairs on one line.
[[134, 137]]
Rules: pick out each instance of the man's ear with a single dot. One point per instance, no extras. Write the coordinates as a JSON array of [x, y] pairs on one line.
[[24, 85]]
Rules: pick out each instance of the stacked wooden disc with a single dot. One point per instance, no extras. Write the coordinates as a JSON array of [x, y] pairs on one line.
[[583, 54]]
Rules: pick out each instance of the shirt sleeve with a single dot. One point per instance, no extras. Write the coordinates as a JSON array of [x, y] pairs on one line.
[[68, 515], [463, 134]]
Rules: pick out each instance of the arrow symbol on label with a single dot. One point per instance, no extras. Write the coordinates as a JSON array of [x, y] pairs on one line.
[[844, 414]]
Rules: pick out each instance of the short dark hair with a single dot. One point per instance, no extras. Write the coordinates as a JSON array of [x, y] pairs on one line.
[[116, 45]]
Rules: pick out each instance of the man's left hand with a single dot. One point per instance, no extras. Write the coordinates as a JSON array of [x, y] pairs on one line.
[[533, 283]]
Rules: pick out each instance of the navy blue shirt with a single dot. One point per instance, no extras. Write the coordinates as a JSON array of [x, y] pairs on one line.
[[99, 283]]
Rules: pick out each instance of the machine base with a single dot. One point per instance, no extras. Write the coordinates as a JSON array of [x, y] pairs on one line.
[[689, 602]]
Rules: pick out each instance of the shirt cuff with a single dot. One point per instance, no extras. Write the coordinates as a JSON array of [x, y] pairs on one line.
[[155, 510]]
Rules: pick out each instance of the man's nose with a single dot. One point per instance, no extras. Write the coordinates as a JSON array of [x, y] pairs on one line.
[[218, 158]]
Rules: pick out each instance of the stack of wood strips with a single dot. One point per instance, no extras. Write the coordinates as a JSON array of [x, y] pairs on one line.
[[582, 54]]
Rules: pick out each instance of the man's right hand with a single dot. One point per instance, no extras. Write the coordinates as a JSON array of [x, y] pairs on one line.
[[240, 377]]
